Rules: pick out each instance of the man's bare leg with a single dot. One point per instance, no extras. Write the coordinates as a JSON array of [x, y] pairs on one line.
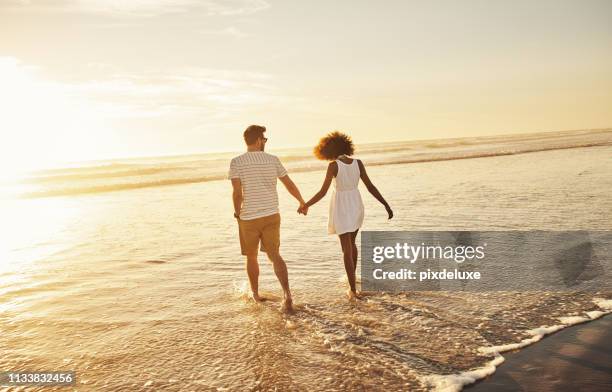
[[252, 267], [280, 269]]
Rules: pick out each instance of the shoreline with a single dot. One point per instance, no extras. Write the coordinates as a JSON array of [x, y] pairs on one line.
[[575, 358], [471, 378]]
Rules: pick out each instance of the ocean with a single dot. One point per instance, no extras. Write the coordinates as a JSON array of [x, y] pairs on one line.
[[129, 271]]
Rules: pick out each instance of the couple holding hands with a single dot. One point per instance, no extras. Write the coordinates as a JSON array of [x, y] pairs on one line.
[[254, 174]]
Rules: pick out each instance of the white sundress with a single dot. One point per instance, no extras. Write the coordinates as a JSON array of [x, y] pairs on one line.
[[346, 207]]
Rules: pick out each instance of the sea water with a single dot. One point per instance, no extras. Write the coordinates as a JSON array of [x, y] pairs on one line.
[[129, 272]]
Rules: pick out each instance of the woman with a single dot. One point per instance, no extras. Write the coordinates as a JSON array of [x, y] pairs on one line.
[[346, 207]]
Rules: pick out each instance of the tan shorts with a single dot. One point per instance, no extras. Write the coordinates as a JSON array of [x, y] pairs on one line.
[[266, 229]]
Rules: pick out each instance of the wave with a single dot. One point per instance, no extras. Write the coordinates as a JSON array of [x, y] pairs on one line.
[[102, 172], [433, 341], [117, 187], [164, 171], [456, 382]]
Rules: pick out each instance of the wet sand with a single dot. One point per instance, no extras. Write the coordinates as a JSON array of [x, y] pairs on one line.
[[578, 358]]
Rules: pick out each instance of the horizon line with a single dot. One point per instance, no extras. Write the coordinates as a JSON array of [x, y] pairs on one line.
[[69, 164]]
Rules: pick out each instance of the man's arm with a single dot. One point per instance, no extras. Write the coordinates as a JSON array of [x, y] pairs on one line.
[[237, 195], [292, 188]]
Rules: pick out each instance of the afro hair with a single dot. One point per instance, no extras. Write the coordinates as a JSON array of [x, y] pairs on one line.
[[333, 145]]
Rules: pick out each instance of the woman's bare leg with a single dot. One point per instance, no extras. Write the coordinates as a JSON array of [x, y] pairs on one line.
[[355, 253], [347, 252]]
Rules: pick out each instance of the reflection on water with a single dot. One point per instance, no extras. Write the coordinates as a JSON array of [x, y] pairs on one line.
[[146, 286], [34, 230]]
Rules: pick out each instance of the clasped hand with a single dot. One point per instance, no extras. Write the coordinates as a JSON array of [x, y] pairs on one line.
[[302, 209]]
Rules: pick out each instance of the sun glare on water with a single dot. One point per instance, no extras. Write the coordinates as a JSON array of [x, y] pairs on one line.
[[33, 229], [42, 124]]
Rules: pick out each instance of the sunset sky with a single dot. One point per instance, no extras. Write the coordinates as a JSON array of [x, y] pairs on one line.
[[93, 79]]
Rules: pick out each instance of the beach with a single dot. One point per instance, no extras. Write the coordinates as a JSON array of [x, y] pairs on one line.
[[144, 288], [575, 359]]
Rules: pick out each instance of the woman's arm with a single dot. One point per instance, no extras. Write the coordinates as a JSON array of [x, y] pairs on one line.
[[332, 170], [372, 189]]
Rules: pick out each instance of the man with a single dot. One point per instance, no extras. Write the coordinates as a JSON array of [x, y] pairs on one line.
[[253, 176]]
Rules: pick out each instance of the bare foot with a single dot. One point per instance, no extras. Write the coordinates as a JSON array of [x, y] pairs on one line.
[[352, 295], [257, 298], [287, 306]]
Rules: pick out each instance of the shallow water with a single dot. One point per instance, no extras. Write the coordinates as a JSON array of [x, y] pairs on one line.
[[147, 286]]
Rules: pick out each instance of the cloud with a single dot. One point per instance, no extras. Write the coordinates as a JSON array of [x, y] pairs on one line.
[[192, 96], [186, 92], [177, 92], [143, 8], [100, 113], [230, 31]]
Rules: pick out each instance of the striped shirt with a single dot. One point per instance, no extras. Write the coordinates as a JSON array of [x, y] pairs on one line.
[[257, 171]]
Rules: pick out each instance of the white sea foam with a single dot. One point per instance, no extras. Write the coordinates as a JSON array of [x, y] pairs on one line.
[[456, 382], [596, 314], [241, 288], [603, 303], [539, 333]]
